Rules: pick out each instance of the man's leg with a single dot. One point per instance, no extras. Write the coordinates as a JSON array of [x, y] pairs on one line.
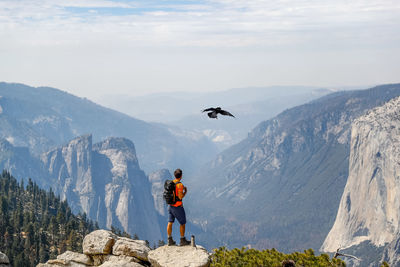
[[169, 229], [183, 242], [171, 241], [171, 219], [182, 229], [180, 215]]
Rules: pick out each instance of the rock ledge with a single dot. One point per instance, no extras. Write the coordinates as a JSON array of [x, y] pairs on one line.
[[105, 249], [179, 256]]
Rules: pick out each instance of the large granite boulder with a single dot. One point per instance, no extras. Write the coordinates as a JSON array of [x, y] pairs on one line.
[[99, 242], [75, 257], [121, 261], [133, 248], [61, 263], [172, 256]]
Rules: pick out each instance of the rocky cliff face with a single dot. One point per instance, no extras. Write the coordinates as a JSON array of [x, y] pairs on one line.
[[21, 163], [157, 180], [105, 181], [370, 205], [127, 191], [70, 169]]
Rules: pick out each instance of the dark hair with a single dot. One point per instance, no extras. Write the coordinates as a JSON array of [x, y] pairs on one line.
[[288, 263], [178, 173]]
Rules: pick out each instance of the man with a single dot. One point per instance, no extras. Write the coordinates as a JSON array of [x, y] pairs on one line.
[[177, 211]]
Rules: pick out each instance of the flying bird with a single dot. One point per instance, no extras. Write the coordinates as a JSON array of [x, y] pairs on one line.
[[214, 112]]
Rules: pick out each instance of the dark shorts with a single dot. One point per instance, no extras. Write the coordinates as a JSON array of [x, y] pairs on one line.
[[178, 213]]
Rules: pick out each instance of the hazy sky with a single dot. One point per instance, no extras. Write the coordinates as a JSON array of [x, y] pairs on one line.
[[135, 47]]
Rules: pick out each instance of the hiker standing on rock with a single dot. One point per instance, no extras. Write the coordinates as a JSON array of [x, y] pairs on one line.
[[174, 192]]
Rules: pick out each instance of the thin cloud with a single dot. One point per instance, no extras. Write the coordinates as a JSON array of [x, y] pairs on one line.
[[101, 44], [209, 22]]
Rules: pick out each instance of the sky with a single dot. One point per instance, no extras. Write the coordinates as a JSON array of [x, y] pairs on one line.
[[99, 47]]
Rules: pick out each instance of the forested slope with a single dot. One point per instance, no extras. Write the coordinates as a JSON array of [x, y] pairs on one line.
[[36, 225]]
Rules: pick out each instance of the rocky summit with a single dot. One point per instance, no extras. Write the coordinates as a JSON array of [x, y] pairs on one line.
[[105, 249]]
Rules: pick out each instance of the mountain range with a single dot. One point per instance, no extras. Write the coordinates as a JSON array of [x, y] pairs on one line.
[[42, 118], [182, 109]]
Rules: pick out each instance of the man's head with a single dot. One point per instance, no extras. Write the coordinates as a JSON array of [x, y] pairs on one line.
[[288, 263], [178, 173]]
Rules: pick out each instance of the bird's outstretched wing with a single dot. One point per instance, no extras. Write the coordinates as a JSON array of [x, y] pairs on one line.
[[224, 112], [208, 109]]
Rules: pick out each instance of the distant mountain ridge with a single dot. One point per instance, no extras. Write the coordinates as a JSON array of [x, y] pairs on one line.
[[42, 118], [250, 105], [281, 186]]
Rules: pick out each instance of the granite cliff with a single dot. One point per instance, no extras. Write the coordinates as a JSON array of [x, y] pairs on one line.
[[157, 180], [105, 181], [369, 210]]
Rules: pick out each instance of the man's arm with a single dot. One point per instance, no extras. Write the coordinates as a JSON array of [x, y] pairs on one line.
[[181, 191], [184, 191]]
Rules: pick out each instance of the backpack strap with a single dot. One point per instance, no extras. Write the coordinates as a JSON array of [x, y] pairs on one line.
[[175, 196]]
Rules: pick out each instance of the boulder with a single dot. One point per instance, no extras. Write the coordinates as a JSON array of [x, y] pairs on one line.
[[171, 256], [4, 259], [120, 261], [132, 248], [43, 265], [99, 259], [70, 256], [99, 242], [61, 263]]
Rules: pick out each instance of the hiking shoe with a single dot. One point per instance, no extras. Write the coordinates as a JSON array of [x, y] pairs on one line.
[[171, 242], [184, 242]]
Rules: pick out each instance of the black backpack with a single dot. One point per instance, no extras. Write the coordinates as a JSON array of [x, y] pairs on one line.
[[169, 192]]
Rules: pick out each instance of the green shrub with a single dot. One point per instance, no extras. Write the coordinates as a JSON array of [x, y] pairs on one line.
[[223, 257]]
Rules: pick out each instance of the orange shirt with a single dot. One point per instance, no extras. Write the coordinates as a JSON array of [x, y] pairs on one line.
[[178, 190]]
